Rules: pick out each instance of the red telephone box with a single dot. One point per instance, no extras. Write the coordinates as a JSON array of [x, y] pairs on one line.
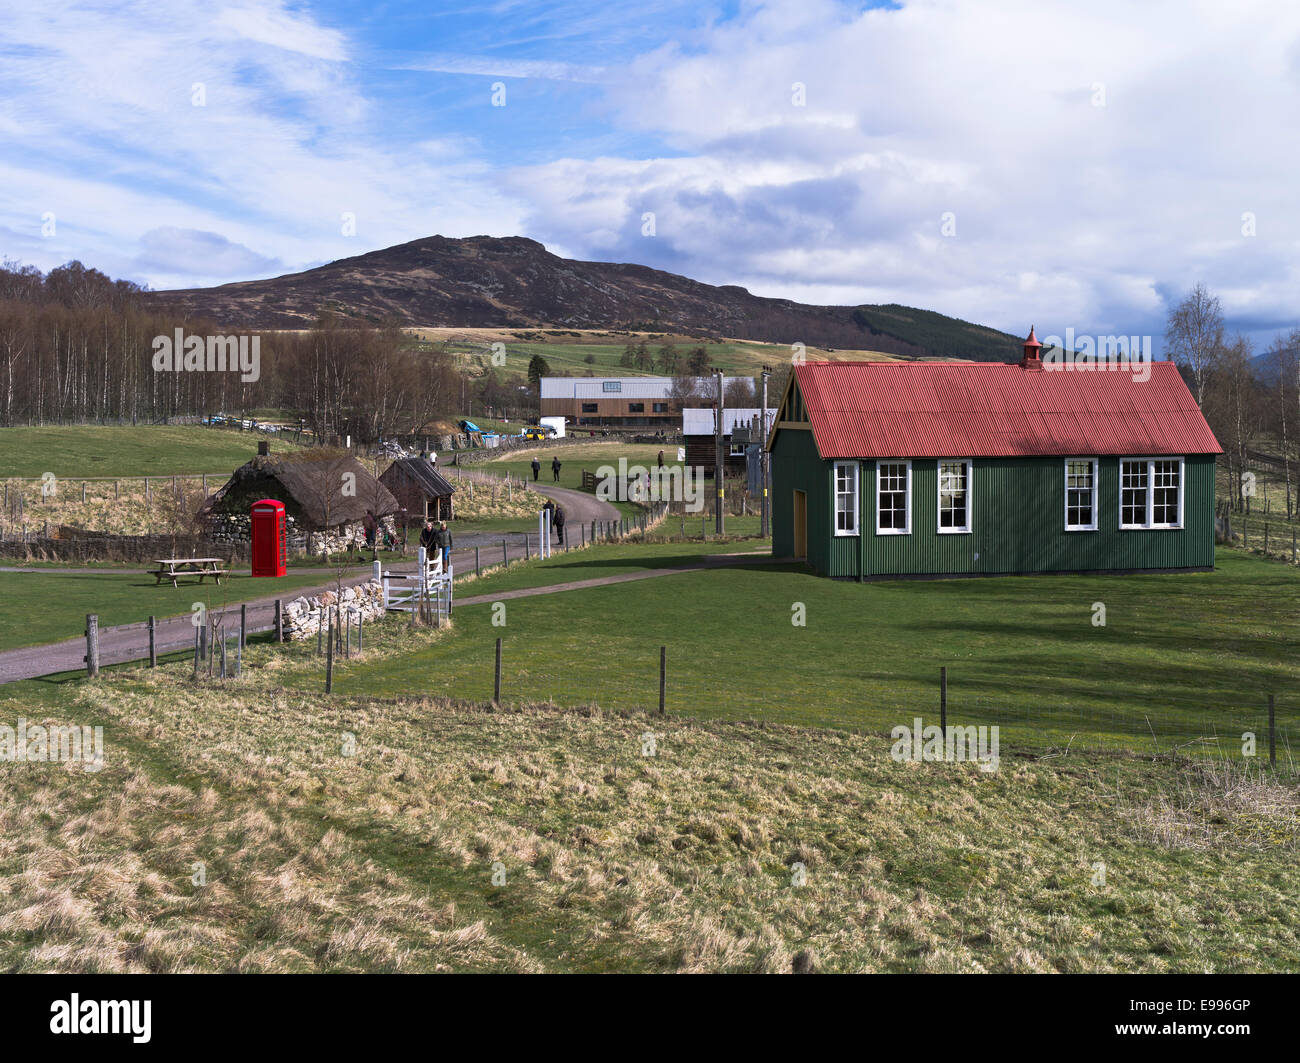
[[270, 543]]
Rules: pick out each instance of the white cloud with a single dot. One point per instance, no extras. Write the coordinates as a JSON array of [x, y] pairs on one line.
[[984, 109]]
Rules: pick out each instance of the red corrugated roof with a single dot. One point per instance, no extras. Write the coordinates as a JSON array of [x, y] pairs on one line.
[[987, 410]]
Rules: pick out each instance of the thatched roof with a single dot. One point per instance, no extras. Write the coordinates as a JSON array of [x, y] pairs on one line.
[[312, 487], [421, 473]]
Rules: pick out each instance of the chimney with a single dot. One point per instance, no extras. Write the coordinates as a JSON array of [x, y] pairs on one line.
[[1031, 359], [263, 448]]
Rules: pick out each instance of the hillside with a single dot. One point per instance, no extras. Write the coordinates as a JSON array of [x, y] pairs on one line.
[[516, 283]]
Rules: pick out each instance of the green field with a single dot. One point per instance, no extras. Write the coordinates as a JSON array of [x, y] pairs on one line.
[[567, 355], [1181, 656], [77, 451], [49, 606]]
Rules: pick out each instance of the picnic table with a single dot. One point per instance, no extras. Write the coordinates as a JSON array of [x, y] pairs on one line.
[[173, 568]]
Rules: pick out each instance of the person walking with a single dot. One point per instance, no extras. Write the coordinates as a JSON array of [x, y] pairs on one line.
[[537, 467], [427, 536], [555, 467], [446, 546], [660, 462], [369, 526], [557, 522]]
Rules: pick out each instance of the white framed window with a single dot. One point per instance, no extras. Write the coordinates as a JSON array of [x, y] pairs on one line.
[[954, 497], [846, 498], [893, 498], [1080, 494], [1151, 493], [737, 450]]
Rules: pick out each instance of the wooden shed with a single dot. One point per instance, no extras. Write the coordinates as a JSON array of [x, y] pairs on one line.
[[419, 489], [883, 469]]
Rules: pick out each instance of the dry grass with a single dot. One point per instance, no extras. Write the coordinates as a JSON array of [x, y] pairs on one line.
[[681, 861], [124, 510]]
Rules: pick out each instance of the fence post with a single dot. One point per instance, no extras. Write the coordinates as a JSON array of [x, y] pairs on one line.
[[496, 682], [526, 553], [153, 649], [943, 702], [329, 656], [663, 677], [505, 557], [203, 641], [1272, 734], [243, 627], [279, 621], [196, 653], [92, 644]]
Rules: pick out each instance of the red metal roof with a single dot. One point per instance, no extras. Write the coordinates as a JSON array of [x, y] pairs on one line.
[[987, 410]]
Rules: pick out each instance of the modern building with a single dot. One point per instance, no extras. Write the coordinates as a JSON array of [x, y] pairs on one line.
[[886, 469], [699, 424], [614, 402]]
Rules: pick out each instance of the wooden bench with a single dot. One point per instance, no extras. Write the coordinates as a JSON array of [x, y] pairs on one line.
[[173, 568]]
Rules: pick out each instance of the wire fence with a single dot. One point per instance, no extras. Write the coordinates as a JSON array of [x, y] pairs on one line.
[[1233, 723]]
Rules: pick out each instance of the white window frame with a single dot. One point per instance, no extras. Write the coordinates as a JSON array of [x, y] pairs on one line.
[[938, 496], [736, 450], [1096, 493], [907, 498], [1149, 524], [855, 478]]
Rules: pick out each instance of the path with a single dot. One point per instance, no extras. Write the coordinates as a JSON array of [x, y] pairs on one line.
[[130, 642]]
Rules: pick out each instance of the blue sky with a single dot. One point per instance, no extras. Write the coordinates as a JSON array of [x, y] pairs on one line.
[[1068, 165]]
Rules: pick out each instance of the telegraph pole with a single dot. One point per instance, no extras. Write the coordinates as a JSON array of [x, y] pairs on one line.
[[719, 410], [763, 521]]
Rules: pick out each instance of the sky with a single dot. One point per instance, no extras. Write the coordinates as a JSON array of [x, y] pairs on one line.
[[1012, 162]]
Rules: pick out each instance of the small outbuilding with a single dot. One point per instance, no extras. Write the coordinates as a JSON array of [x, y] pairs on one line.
[[888, 469], [420, 490]]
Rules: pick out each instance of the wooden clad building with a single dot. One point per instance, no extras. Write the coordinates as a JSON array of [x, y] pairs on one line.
[[420, 489], [886, 469]]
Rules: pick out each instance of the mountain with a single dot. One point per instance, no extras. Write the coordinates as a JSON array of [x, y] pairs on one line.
[[515, 282], [1268, 366]]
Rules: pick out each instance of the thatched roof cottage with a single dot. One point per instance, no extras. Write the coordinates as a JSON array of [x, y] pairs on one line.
[[325, 499]]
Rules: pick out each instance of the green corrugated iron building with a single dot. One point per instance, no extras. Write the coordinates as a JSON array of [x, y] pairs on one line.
[[887, 469]]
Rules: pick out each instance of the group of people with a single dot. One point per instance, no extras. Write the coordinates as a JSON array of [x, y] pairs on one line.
[[436, 540], [555, 468]]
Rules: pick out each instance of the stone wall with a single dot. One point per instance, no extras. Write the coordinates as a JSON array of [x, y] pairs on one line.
[[303, 617], [236, 529]]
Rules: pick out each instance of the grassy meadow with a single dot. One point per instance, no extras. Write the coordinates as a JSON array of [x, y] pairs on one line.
[[49, 605], [75, 451], [1181, 658], [249, 825], [577, 352]]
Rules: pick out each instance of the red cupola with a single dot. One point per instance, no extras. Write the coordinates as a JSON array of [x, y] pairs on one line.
[[1032, 359]]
